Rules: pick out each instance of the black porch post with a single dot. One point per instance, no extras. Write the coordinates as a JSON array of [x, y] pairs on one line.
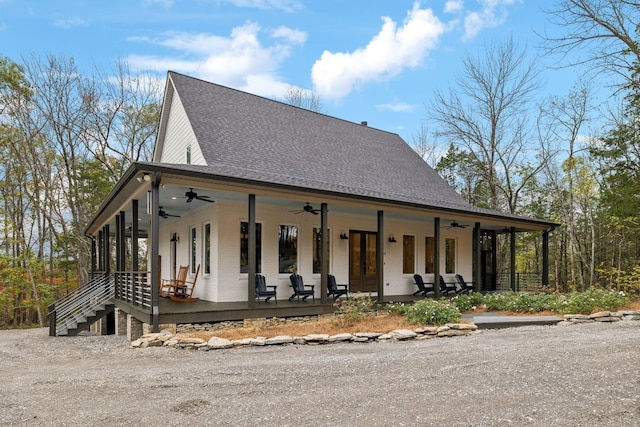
[[122, 243], [477, 258], [513, 258], [94, 259], [436, 257], [100, 244], [118, 241], [324, 254], [155, 252], [545, 258], [106, 250], [253, 267], [380, 256], [135, 262]]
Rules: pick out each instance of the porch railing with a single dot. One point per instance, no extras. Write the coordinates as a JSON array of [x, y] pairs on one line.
[[525, 282], [75, 309], [133, 287]]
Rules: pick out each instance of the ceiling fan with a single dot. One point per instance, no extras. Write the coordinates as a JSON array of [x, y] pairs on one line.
[[164, 214], [455, 224], [307, 208], [191, 195]]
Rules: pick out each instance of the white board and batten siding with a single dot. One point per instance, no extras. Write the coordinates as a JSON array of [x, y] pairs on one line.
[[226, 283], [179, 136]]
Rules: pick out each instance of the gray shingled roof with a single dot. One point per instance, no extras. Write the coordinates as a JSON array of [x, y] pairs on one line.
[[249, 137]]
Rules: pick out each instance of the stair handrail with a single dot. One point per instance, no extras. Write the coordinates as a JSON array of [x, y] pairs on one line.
[[97, 292]]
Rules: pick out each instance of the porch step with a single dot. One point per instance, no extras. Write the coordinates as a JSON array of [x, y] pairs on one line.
[[83, 322], [497, 321]]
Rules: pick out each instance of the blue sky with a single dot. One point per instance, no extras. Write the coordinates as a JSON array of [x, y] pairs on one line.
[[369, 60]]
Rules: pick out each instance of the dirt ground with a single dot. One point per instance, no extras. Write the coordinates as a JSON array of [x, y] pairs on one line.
[[575, 375]]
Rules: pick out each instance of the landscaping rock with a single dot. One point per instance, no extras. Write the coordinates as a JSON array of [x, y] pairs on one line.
[[340, 337], [316, 338], [280, 339], [217, 342], [402, 334]]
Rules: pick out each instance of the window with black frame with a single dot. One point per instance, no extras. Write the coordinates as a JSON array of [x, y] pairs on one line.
[[244, 247]]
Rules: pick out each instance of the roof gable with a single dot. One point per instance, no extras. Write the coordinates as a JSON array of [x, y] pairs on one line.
[[249, 137], [177, 142]]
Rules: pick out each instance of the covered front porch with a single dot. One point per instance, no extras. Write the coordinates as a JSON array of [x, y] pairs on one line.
[[374, 246]]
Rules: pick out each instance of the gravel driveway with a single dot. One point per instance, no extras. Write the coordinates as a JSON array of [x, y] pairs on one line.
[[577, 375]]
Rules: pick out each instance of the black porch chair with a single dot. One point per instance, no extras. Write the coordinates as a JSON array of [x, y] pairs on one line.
[[299, 288], [262, 291], [335, 290], [464, 287], [423, 288], [446, 287]]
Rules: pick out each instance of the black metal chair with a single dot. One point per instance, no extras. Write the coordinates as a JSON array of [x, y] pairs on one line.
[[335, 290], [423, 288], [262, 291], [299, 288], [464, 287], [446, 287]]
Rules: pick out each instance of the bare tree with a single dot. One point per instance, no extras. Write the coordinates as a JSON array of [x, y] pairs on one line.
[[298, 97], [123, 112], [425, 146], [487, 115], [608, 28], [576, 189]]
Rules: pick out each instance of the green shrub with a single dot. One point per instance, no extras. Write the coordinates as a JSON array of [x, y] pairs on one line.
[[432, 312], [354, 309], [468, 302], [592, 300], [397, 308]]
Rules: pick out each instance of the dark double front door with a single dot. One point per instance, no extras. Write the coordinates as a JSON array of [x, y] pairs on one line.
[[362, 261]]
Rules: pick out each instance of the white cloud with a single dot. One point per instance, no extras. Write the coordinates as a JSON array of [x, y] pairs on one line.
[[70, 22], [239, 61], [396, 107], [452, 6], [293, 36], [284, 5], [394, 48], [164, 3], [493, 14]]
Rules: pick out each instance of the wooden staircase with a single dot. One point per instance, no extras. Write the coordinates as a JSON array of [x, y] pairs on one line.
[[76, 311]]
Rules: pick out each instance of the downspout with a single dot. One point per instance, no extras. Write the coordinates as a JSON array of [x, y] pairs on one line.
[[155, 251], [477, 259], [512, 232], [545, 256], [324, 258], [380, 257], [252, 252], [436, 257]]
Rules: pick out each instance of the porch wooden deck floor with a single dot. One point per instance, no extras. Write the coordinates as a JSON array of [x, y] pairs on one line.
[[208, 312]]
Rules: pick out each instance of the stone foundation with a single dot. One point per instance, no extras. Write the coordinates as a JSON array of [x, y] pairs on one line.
[[134, 328]]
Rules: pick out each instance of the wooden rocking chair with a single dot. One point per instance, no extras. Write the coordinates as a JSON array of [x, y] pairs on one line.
[[184, 290], [168, 286]]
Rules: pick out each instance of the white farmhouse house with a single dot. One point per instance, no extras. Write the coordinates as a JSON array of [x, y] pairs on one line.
[[241, 185]]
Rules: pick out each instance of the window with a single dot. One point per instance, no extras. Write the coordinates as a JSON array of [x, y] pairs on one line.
[[193, 244], [408, 254], [188, 154], [317, 246], [429, 250], [450, 255], [207, 248], [288, 249], [244, 247]]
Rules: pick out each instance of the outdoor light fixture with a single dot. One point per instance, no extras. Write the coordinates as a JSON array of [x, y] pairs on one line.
[[344, 236], [144, 178], [175, 238], [392, 238]]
